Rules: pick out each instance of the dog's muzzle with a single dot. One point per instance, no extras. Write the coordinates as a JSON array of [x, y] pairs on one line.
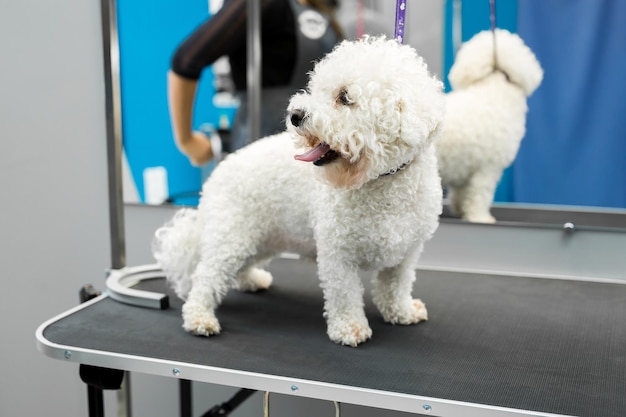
[[321, 153]]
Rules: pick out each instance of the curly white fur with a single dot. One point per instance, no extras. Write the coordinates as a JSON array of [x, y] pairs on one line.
[[485, 119], [373, 207]]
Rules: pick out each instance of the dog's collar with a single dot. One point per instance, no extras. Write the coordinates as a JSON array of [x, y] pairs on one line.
[[393, 171]]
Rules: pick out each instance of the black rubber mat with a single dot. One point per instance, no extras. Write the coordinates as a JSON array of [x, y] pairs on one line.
[[525, 343]]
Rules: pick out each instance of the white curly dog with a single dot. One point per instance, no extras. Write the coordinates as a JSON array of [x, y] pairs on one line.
[[360, 189], [485, 119]]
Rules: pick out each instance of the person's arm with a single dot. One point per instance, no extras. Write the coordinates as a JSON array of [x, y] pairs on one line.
[[214, 38], [181, 96]]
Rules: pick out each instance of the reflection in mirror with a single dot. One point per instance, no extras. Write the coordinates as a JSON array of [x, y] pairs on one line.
[[492, 76], [571, 154]]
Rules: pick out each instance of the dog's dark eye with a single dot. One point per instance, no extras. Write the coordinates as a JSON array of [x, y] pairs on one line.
[[343, 98]]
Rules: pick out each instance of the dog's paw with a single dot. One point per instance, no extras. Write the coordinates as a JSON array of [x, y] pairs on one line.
[[414, 313], [349, 333], [254, 279], [200, 321], [480, 218]]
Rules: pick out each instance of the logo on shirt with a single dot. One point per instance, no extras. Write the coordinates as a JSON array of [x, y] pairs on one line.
[[312, 24]]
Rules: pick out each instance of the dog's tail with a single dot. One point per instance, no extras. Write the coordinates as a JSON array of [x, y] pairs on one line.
[[477, 58], [175, 248]]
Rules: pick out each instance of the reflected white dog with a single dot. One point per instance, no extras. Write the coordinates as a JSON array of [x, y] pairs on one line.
[[363, 191], [485, 119]]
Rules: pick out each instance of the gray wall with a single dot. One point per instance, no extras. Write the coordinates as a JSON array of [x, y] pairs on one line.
[[54, 222]]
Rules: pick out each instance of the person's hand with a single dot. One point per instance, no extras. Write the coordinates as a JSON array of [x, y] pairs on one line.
[[197, 147]]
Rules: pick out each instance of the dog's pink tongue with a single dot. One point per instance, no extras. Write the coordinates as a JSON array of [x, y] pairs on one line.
[[313, 154]]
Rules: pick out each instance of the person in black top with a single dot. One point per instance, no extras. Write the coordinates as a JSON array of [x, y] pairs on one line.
[[294, 34]]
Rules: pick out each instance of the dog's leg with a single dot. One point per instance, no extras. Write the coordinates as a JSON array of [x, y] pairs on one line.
[[343, 302], [456, 195], [215, 274], [253, 279], [207, 290], [392, 294], [478, 196]]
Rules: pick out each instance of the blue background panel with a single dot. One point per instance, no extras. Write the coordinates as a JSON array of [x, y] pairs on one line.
[[574, 152]]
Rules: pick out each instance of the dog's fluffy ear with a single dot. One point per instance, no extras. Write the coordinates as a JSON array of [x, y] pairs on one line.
[[421, 102], [475, 60], [422, 118], [419, 128]]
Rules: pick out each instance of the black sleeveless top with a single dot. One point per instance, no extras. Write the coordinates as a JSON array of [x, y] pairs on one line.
[[225, 33]]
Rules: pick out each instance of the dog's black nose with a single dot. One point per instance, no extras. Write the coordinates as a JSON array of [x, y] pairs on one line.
[[296, 117]]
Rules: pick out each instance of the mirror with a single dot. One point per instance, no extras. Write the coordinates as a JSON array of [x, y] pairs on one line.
[[572, 158]]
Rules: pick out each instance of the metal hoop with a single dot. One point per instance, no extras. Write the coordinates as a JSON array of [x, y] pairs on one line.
[[266, 406]]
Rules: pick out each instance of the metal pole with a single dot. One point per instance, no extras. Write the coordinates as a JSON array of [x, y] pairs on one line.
[[114, 132], [254, 68], [113, 112]]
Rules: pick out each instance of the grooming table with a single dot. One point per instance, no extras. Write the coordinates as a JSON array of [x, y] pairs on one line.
[[493, 345]]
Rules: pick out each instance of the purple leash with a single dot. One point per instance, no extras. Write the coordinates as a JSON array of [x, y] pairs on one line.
[[400, 16]]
